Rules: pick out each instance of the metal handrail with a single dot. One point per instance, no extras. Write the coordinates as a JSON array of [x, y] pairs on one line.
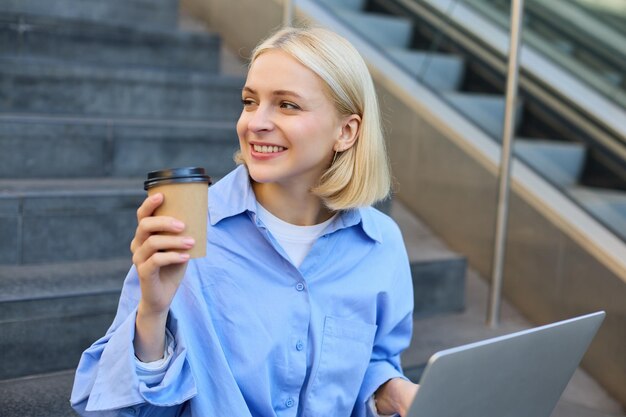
[[495, 293]]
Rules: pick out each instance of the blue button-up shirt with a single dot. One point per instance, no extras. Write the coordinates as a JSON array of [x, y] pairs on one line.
[[255, 335]]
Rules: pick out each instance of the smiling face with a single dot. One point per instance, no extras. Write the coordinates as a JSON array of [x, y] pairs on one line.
[[289, 126]]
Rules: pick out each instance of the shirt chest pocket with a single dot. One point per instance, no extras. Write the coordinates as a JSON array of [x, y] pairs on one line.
[[344, 357]]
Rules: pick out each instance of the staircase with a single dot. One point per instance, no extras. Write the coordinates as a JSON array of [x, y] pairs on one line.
[[566, 162], [90, 100], [92, 96]]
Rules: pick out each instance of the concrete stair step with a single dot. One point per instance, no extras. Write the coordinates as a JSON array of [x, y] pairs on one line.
[[438, 273], [27, 283], [486, 110], [52, 220], [560, 162], [155, 13], [440, 71], [38, 395], [67, 187], [44, 147], [382, 30], [80, 40], [45, 86], [50, 313], [609, 206]]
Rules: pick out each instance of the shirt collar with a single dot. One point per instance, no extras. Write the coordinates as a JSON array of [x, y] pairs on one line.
[[233, 195], [357, 217]]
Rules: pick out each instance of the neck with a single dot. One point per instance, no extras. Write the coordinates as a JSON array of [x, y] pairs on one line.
[[293, 205]]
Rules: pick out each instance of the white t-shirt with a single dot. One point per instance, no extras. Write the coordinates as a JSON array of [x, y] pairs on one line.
[[297, 241]]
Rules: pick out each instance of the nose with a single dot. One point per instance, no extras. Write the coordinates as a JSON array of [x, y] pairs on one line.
[[261, 120]]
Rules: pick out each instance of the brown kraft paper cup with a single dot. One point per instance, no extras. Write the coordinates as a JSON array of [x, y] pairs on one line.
[[185, 197]]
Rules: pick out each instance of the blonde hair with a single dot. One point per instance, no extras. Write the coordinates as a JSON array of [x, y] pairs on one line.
[[359, 176]]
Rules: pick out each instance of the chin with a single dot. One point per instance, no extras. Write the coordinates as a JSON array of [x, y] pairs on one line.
[[259, 174]]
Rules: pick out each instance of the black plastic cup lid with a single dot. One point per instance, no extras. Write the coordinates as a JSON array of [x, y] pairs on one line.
[[175, 176]]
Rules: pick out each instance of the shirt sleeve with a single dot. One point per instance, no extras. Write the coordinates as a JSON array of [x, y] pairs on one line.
[[373, 411], [152, 373], [395, 325], [107, 375]]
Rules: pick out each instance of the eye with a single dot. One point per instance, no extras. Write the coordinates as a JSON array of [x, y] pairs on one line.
[[289, 105], [247, 102]]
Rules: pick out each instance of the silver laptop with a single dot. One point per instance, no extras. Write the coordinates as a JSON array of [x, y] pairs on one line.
[[518, 375]]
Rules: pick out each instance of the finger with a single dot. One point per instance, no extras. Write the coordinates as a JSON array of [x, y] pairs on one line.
[[151, 225], [160, 260], [149, 205], [161, 243]]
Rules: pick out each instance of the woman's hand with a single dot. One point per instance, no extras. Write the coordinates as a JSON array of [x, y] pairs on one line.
[[395, 396], [160, 265]]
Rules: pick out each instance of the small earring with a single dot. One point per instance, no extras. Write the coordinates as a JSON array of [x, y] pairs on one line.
[[334, 158]]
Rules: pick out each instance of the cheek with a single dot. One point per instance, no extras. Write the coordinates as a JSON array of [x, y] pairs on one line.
[[241, 127], [321, 135]]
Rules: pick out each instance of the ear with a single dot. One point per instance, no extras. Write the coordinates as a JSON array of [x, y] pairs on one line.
[[349, 134]]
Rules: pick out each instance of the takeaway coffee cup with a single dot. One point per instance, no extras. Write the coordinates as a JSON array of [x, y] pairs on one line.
[[185, 192]]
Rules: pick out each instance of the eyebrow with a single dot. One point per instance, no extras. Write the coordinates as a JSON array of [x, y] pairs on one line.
[[276, 92]]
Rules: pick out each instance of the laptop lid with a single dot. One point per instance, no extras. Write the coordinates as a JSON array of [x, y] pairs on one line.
[[522, 374]]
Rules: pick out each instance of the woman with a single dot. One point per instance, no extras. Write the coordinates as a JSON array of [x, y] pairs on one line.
[[303, 303]]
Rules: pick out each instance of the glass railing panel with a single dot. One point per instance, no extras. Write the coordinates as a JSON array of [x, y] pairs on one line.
[[611, 12], [585, 37]]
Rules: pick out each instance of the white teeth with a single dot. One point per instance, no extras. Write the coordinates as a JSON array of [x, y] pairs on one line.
[[268, 149]]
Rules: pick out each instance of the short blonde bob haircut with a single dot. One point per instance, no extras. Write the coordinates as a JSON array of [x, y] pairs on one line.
[[359, 176]]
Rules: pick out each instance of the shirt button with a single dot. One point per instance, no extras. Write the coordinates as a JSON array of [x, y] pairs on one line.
[[290, 402], [300, 286], [299, 345]]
